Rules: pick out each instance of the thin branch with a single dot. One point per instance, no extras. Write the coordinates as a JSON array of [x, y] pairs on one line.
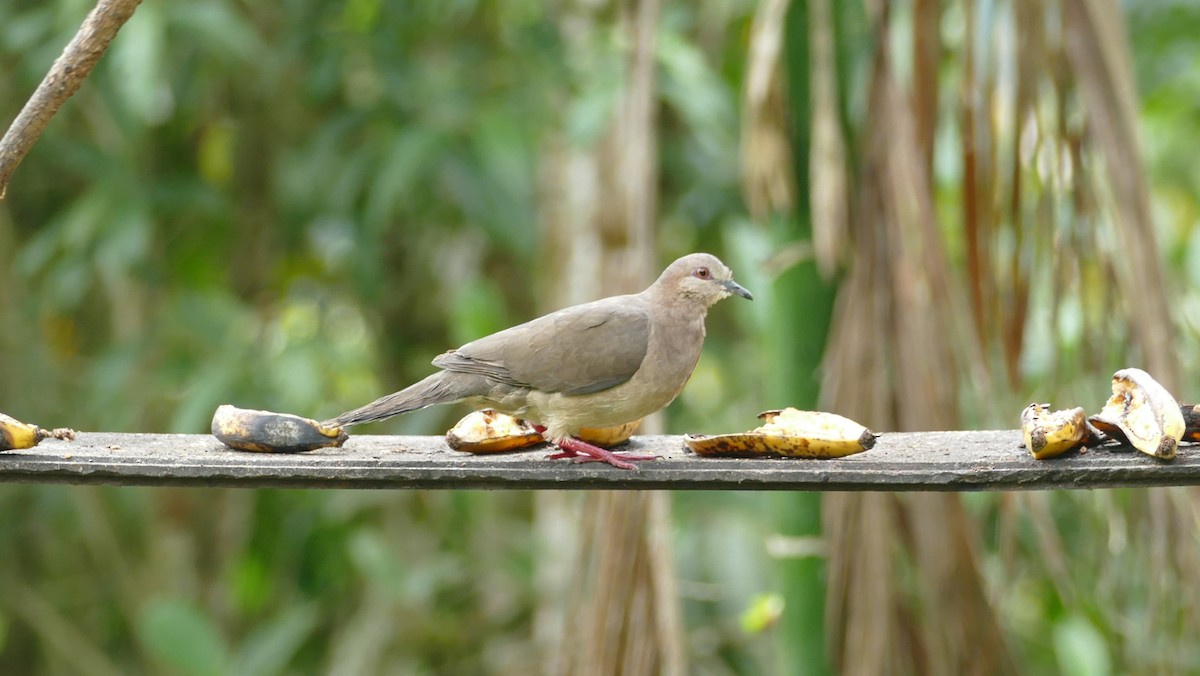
[[68, 72]]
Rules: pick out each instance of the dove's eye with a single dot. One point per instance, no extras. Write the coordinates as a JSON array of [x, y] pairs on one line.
[[702, 273]]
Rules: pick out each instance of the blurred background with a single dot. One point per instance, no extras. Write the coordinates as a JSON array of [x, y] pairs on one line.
[[945, 210]]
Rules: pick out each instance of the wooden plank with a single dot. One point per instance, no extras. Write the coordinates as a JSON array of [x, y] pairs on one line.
[[925, 461]]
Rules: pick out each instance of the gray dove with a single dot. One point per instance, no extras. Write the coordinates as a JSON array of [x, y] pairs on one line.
[[599, 364]]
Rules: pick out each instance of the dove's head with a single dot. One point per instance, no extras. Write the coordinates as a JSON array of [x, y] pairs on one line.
[[700, 278]]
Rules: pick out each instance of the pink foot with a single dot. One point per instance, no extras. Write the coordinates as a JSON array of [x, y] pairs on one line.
[[581, 451], [541, 429]]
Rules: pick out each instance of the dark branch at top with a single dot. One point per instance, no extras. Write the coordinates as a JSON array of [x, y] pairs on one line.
[[69, 71]]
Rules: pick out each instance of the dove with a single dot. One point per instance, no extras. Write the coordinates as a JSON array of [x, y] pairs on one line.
[[598, 364]]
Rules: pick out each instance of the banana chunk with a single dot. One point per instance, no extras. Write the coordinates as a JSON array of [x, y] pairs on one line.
[[1048, 434], [16, 435], [1142, 412], [607, 437], [790, 433], [269, 432], [489, 431]]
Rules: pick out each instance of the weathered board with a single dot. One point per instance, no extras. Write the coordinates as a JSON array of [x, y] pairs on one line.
[[922, 461]]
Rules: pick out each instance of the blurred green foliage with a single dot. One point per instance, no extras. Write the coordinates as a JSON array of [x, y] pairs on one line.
[[295, 206]]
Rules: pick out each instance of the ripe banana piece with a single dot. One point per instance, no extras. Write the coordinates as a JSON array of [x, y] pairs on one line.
[[790, 433], [489, 431], [1142, 412], [1048, 434], [269, 432], [607, 437], [15, 434]]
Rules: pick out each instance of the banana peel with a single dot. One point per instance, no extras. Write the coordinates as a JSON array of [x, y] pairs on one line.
[[270, 432], [489, 431], [1142, 412], [1051, 433], [789, 433], [16, 435]]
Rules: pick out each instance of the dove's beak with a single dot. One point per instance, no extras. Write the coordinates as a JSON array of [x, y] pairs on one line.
[[737, 289]]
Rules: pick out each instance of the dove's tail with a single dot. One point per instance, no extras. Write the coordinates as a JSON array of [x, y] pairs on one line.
[[443, 387]]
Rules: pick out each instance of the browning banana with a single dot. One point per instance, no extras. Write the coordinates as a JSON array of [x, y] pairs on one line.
[[790, 433], [1191, 421], [1142, 412], [15, 435], [1048, 434], [269, 432]]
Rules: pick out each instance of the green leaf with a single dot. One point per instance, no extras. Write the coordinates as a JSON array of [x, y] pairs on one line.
[[215, 154], [1080, 648], [218, 29], [477, 310], [252, 584], [270, 648], [181, 636], [360, 16], [762, 613], [376, 561], [138, 59], [592, 109]]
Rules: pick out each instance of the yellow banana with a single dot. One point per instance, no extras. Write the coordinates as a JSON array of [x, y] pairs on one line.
[[1142, 412], [15, 434], [489, 431], [269, 432], [790, 433], [607, 437], [1048, 434]]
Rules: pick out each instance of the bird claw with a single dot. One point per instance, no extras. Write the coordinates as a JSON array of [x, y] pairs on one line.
[[622, 460], [581, 451]]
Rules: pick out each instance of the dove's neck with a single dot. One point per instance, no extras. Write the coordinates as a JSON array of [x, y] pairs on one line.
[[678, 331], [679, 310]]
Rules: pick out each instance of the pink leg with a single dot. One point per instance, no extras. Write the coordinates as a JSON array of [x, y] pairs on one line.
[[581, 451], [575, 448], [562, 454], [541, 429]]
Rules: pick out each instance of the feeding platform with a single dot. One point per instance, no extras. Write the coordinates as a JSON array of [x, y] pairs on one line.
[[911, 461]]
